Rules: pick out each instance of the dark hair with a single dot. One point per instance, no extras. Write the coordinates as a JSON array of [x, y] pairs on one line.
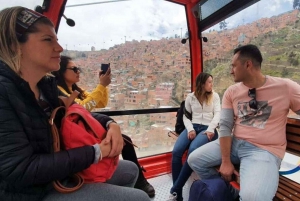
[[200, 94], [250, 51], [64, 60]]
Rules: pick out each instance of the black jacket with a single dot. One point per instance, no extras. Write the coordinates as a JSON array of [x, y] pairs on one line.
[[27, 162]]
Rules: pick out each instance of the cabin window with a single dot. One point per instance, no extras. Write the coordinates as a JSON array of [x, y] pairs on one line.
[[150, 66], [274, 30]]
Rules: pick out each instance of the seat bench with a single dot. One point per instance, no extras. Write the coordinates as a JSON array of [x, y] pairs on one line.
[[288, 189]]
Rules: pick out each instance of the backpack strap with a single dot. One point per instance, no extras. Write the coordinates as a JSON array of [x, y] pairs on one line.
[[63, 189], [56, 145], [54, 130], [187, 114]]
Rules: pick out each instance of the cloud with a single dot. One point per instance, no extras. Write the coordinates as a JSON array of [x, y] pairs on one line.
[[104, 25], [107, 24]]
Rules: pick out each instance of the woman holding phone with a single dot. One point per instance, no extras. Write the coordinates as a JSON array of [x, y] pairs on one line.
[[67, 77], [69, 74]]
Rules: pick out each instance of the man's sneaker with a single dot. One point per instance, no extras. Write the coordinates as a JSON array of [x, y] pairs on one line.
[[145, 186]]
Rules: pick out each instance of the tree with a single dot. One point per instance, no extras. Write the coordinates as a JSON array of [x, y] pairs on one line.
[[296, 4], [284, 72], [223, 25]]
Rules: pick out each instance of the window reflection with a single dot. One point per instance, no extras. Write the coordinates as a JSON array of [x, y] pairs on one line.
[[150, 66], [149, 132], [274, 30]]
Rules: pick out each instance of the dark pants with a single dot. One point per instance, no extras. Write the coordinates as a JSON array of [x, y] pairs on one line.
[[128, 152]]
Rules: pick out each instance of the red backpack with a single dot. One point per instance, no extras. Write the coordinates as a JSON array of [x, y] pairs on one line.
[[80, 128]]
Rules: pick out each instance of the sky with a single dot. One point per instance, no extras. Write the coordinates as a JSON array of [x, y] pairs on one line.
[[107, 24], [262, 9]]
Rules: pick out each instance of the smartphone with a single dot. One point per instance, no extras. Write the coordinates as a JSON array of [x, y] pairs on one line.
[[104, 68]]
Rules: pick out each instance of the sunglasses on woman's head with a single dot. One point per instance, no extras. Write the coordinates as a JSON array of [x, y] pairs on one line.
[[75, 69], [253, 101]]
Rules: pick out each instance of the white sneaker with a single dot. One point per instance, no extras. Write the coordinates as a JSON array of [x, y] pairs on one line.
[[172, 197]]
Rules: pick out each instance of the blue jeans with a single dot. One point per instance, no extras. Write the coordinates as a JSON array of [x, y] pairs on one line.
[[259, 168], [181, 173]]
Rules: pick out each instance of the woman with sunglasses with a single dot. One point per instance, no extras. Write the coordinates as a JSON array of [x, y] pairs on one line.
[[29, 51], [201, 118], [67, 76]]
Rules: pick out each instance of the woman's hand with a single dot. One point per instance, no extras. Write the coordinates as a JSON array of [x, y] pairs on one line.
[[114, 137], [105, 148], [192, 135], [210, 135], [105, 79]]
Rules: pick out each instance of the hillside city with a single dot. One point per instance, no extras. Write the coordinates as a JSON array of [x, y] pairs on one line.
[[157, 73]]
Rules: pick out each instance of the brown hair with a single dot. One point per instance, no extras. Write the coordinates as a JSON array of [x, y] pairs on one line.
[[200, 93]]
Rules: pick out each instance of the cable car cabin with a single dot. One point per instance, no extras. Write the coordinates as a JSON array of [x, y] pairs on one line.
[[156, 48]]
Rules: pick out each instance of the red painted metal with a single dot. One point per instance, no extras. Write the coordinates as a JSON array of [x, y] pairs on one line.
[[156, 165], [55, 11], [235, 185], [195, 44]]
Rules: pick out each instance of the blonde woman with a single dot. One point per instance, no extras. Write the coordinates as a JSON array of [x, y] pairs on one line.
[[29, 51], [202, 115]]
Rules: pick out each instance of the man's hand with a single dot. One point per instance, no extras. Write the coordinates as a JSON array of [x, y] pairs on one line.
[[192, 135], [226, 170], [114, 137], [210, 135]]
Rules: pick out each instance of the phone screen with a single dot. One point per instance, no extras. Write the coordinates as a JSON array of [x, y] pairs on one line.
[[104, 68]]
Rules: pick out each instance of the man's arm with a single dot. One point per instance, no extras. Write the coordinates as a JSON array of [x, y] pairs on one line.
[[294, 93], [226, 126]]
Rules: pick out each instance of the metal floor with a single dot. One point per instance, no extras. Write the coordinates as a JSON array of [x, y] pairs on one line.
[[163, 184]]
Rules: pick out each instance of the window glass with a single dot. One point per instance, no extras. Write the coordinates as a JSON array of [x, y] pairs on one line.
[[142, 42], [209, 7], [149, 132], [274, 30], [150, 66]]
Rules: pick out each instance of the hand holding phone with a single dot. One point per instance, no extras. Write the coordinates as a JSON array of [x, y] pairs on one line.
[[104, 68], [104, 76]]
